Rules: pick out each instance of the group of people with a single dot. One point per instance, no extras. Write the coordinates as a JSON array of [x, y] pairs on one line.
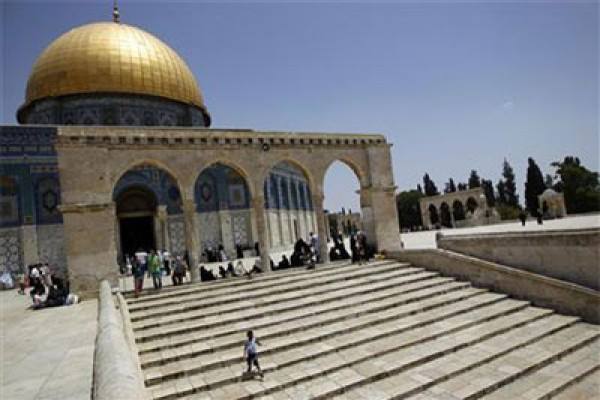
[[47, 289], [155, 264]]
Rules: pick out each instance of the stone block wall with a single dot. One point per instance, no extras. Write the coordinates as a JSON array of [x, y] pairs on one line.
[[568, 255], [542, 291]]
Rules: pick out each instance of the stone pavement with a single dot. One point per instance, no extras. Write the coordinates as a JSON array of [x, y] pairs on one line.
[[426, 239], [45, 354]]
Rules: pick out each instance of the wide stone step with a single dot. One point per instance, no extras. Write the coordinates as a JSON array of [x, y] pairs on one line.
[[401, 383], [549, 380], [477, 382], [283, 324], [315, 315], [251, 312], [170, 293], [586, 389], [305, 363], [400, 354], [317, 328], [199, 299], [224, 358], [226, 304]]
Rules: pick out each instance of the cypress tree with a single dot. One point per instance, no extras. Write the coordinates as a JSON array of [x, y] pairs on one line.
[[430, 188], [534, 186], [510, 188], [450, 186], [474, 180]]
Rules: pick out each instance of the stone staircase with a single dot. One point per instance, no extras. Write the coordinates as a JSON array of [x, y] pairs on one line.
[[385, 330]]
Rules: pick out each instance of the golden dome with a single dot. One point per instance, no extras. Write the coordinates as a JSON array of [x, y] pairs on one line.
[[111, 57]]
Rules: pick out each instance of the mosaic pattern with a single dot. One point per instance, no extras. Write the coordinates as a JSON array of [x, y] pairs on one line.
[[9, 202], [107, 109], [47, 201], [240, 227], [176, 234], [10, 250], [159, 182], [209, 226], [220, 187]]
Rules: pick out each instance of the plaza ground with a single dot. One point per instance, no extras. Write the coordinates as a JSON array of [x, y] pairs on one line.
[[48, 354]]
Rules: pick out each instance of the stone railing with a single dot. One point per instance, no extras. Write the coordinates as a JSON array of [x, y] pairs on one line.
[[564, 297], [117, 375]]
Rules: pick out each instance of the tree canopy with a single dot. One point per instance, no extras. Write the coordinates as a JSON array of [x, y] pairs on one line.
[[579, 185], [474, 180], [409, 212], [430, 188]]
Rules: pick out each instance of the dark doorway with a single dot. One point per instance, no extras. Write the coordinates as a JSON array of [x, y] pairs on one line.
[[445, 215], [433, 215], [137, 233], [136, 207]]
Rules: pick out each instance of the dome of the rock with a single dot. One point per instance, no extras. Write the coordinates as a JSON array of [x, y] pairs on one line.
[[109, 73]]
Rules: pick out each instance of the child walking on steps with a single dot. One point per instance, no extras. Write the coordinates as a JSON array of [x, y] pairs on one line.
[[251, 353]]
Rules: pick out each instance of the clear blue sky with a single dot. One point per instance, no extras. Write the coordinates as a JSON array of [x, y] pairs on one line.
[[455, 86]]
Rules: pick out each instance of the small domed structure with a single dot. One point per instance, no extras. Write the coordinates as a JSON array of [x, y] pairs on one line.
[[108, 73], [552, 204]]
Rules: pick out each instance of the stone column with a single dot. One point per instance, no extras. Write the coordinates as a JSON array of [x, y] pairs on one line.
[[268, 199], [90, 246], [279, 212], [192, 244], [258, 205], [160, 228], [317, 200], [382, 218]]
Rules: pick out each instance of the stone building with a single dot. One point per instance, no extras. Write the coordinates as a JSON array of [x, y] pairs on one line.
[[457, 209], [115, 154], [344, 223], [552, 204]]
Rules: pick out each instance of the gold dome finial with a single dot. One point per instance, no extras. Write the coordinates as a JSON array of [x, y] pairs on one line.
[[116, 16]]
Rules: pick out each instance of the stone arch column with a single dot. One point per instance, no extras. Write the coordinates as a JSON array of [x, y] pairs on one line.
[[258, 205], [317, 200], [90, 241], [192, 242], [380, 199]]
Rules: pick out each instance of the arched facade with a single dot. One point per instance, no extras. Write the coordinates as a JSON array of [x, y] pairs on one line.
[[149, 211], [469, 208], [283, 173], [223, 209], [288, 204]]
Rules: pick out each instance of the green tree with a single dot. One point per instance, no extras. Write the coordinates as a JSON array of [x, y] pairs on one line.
[[534, 186], [409, 211], [462, 186], [549, 181], [430, 188], [501, 188], [510, 188], [474, 180], [450, 186], [488, 190], [579, 185]]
